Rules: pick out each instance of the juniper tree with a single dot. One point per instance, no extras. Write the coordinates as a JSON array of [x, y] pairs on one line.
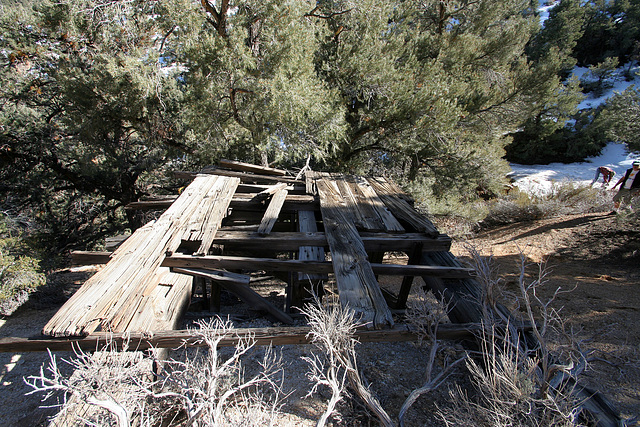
[[251, 90], [86, 111]]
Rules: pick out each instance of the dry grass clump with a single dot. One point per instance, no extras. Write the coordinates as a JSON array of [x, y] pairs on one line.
[[519, 378], [562, 198]]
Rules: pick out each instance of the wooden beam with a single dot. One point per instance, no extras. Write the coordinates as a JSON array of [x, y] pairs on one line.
[[273, 211], [240, 201], [292, 241], [238, 284], [263, 336], [244, 177], [307, 224], [273, 264], [356, 281]]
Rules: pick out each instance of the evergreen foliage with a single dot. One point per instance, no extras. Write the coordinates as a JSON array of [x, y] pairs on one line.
[[621, 118], [100, 98]]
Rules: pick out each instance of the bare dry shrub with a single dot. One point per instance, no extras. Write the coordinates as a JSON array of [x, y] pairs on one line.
[[205, 388], [213, 389], [425, 314], [115, 383], [332, 331], [520, 380]]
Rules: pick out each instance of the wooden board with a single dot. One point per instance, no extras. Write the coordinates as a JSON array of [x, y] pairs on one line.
[[356, 281], [263, 336], [248, 167], [293, 241], [312, 267], [273, 211], [401, 208], [115, 296], [371, 214], [307, 224]]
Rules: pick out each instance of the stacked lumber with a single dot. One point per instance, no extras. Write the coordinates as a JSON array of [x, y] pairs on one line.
[[118, 298]]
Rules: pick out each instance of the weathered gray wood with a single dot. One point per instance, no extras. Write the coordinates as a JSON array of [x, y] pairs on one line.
[[273, 264], [262, 336], [370, 207], [356, 282], [273, 211], [293, 241], [238, 284], [245, 177], [243, 201], [215, 209], [113, 297], [307, 224], [248, 167], [401, 208]]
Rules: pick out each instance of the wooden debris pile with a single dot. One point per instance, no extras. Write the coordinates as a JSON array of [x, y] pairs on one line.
[[242, 217]]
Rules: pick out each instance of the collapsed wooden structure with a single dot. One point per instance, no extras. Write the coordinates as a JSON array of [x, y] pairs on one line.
[[243, 217], [239, 218]]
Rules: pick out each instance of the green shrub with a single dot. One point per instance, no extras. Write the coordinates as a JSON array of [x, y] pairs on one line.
[[20, 274]]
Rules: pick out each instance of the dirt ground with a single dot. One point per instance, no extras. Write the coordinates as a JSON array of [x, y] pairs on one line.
[[595, 256]]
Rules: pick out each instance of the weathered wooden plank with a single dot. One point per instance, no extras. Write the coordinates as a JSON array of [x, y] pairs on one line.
[[241, 289], [217, 209], [402, 209], [370, 205], [357, 285], [307, 224], [241, 201], [293, 241], [263, 336], [310, 183], [273, 211], [244, 177], [112, 297], [217, 275], [273, 264], [248, 167]]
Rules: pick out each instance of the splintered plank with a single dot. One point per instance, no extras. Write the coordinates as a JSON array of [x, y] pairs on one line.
[[112, 298], [400, 207], [273, 211], [356, 281]]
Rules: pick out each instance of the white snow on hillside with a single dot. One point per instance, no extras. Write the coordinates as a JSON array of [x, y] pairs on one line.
[[539, 179]]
